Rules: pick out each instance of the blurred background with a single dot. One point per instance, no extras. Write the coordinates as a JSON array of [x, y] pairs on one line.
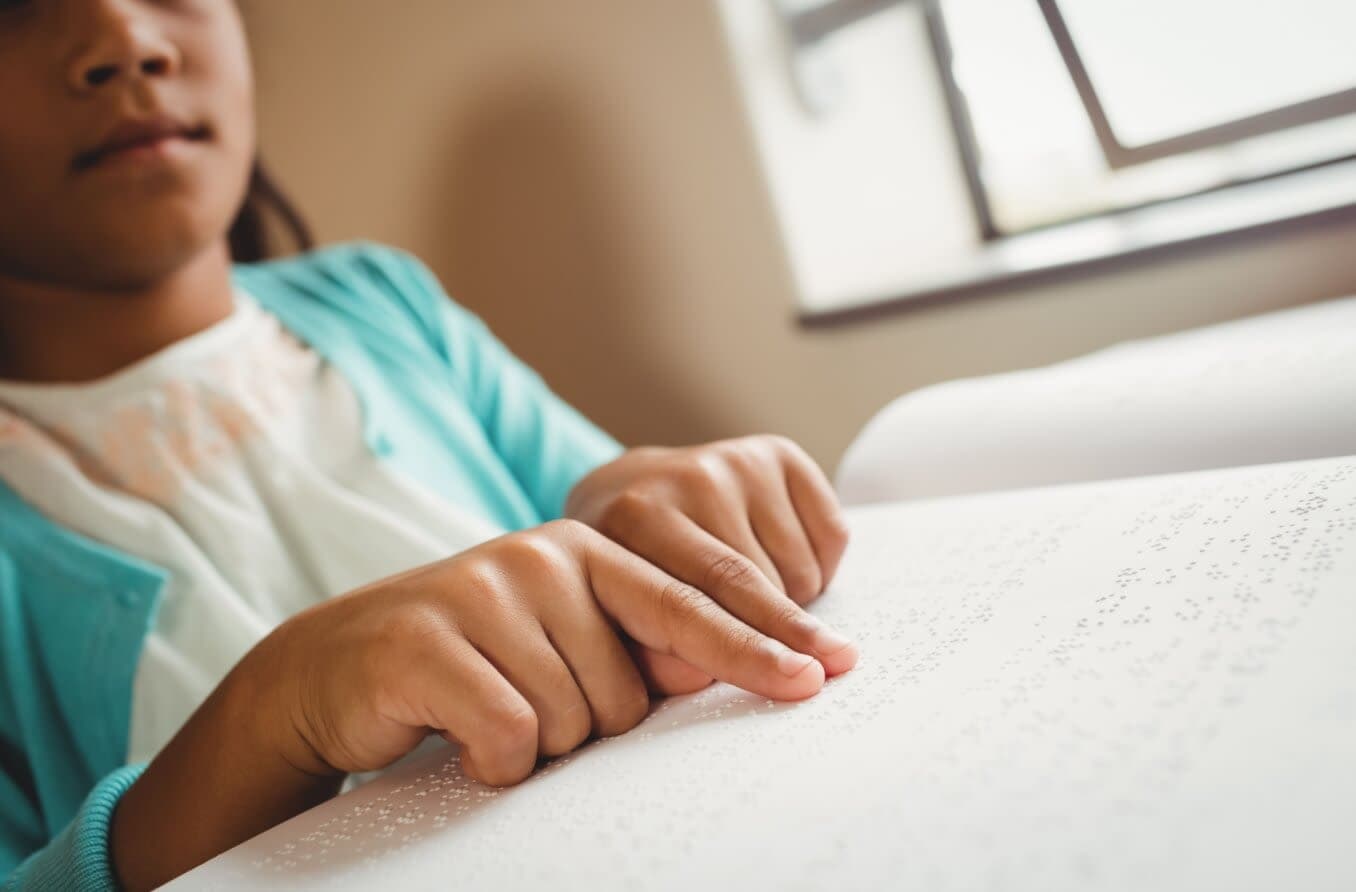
[[705, 218]]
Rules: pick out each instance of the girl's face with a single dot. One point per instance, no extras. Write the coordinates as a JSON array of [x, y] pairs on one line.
[[75, 74]]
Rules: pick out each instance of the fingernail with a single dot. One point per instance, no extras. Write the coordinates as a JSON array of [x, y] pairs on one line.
[[827, 641], [791, 663]]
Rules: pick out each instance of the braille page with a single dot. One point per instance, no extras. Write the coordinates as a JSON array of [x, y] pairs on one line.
[[1146, 684]]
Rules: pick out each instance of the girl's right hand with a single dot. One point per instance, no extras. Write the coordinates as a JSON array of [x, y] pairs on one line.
[[514, 649], [509, 649]]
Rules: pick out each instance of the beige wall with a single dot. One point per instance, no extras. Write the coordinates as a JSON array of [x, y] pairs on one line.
[[581, 175]]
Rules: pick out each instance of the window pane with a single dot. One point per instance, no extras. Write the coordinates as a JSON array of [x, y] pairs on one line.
[[1039, 159], [792, 7], [1162, 68]]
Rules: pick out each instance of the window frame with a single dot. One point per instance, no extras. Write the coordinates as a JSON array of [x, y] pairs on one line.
[[1119, 155], [811, 26]]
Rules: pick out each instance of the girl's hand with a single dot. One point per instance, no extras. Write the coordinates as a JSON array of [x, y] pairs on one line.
[[513, 649], [509, 649], [750, 521]]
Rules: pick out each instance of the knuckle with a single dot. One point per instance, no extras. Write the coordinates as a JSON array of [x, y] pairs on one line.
[[487, 592], [565, 732], [533, 552], [629, 709], [565, 529], [780, 444], [790, 616], [624, 512], [729, 570], [740, 642], [513, 726], [681, 606], [760, 449], [741, 456], [410, 629], [700, 475]]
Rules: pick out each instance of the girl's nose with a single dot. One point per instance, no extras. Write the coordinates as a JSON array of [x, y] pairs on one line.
[[124, 43]]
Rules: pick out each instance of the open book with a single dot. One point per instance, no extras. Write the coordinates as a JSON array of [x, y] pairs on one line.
[[1146, 684], [1130, 684]]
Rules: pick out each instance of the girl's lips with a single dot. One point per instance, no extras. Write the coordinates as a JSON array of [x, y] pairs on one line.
[[159, 149], [150, 140]]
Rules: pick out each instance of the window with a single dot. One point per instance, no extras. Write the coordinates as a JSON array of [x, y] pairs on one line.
[[1066, 109]]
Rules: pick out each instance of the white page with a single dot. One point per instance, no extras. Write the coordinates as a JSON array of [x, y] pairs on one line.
[[1272, 388], [1147, 684]]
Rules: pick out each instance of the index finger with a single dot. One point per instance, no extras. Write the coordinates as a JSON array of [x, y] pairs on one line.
[[675, 544], [673, 617]]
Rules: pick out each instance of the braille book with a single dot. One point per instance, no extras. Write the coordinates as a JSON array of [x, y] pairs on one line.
[[1134, 684]]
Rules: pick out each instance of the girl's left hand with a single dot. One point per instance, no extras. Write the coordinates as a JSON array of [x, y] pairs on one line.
[[748, 521]]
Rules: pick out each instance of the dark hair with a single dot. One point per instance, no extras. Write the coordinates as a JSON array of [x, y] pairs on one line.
[[249, 238]]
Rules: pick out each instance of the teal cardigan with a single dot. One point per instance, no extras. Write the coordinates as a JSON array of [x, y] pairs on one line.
[[442, 400]]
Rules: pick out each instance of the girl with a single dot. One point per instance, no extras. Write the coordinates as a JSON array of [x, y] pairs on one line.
[[206, 459]]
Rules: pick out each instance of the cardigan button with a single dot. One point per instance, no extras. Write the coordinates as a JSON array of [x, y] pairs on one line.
[[381, 445], [127, 598]]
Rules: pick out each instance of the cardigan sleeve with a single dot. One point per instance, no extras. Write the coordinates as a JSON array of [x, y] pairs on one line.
[[546, 443], [78, 857]]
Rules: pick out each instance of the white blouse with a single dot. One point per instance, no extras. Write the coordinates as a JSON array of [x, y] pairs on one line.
[[235, 460]]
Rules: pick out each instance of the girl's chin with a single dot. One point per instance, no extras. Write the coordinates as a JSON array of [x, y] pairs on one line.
[[141, 250]]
